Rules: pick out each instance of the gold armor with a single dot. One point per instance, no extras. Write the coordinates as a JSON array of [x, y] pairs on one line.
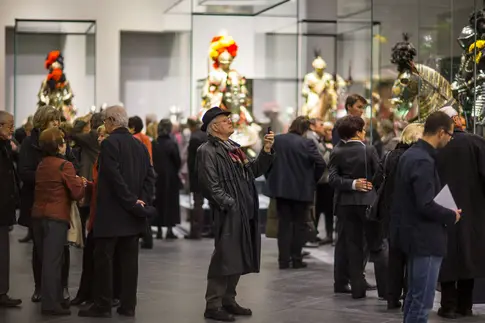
[[321, 91], [226, 88]]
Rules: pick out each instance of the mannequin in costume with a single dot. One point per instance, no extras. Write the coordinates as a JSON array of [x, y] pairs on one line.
[[418, 82], [55, 89], [468, 86], [226, 88], [321, 91]]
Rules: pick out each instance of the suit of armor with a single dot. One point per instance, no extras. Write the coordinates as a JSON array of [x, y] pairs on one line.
[[469, 84], [55, 89], [226, 88], [321, 91]]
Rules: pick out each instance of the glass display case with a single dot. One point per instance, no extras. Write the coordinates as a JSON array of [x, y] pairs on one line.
[[429, 57], [28, 46], [264, 55]]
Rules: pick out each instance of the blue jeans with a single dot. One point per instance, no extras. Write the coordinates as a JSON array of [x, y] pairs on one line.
[[422, 280]]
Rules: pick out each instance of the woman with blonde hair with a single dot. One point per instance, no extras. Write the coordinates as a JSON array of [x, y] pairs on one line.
[[385, 176]]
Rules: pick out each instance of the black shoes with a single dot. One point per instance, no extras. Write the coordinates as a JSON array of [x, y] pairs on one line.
[[125, 312], [452, 314], [219, 314], [6, 301], [393, 305], [36, 297], [236, 309], [342, 289], [79, 301], [58, 312], [94, 311], [296, 264]]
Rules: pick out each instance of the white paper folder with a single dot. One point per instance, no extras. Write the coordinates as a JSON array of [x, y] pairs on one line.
[[445, 199]]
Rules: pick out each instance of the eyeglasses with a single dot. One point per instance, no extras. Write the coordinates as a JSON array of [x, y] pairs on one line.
[[227, 120], [448, 133]]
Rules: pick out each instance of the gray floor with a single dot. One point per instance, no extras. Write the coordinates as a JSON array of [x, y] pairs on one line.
[[172, 285]]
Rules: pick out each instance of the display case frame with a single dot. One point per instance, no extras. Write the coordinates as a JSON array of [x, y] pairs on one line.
[[33, 28]]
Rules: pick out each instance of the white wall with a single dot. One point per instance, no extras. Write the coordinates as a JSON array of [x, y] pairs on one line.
[[154, 72]]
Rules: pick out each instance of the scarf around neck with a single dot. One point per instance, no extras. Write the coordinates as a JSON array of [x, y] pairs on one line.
[[235, 152]]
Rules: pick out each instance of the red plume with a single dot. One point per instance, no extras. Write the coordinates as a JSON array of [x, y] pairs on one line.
[[51, 58]]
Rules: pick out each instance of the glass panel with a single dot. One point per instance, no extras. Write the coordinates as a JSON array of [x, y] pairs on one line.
[[56, 27], [28, 85], [435, 78], [260, 81], [229, 7]]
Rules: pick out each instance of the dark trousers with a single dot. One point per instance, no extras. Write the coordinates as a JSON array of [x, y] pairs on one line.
[[106, 251], [197, 216], [324, 204], [147, 238], [396, 275], [50, 237], [86, 285], [84, 215], [221, 291], [292, 229], [37, 263], [422, 280], [350, 254], [457, 295], [4, 260]]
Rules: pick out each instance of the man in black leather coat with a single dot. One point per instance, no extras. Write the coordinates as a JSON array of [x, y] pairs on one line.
[[226, 179]]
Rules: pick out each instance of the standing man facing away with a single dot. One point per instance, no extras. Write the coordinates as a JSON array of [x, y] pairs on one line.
[[226, 179], [125, 188], [461, 166], [9, 198], [197, 138], [419, 223]]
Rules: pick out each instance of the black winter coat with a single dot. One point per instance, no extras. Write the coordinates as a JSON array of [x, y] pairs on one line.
[[29, 158], [236, 224], [167, 163], [125, 176], [388, 163], [197, 138], [461, 165], [9, 185]]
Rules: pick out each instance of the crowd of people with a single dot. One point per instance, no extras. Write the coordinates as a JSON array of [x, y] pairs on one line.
[[101, 183]]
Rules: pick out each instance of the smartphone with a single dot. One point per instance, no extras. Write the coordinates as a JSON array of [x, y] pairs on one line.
[[269, 130]]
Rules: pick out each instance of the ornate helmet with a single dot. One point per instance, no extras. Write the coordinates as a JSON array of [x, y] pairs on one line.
[[223, 50], [318, 62], [403, 54]]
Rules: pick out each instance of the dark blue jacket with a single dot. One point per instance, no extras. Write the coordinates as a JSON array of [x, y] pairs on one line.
[[418, 224], [296, 169]]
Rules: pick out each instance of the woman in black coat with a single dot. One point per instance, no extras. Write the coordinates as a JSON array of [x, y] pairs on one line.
[[395, 284], [167, 164], [30, 156]]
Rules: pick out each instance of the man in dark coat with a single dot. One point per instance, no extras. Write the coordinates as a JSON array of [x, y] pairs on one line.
[[418, 223], [9, 198], [125, 188], [461, 165], [197, 138], [226, 179], [292, 181]]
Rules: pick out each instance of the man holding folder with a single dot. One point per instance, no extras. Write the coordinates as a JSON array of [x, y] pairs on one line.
[[418, 223]]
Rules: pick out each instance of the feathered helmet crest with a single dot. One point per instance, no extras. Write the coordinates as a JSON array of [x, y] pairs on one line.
[[221, 44], [56, 77], [403, 54], [318, 61]]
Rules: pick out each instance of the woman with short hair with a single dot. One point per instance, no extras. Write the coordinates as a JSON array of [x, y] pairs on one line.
[[45, 117], [167, 164], [396, 283], [56, 187]]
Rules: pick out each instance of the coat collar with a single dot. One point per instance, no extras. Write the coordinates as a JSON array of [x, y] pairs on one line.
[[120, 130], [427, 147]]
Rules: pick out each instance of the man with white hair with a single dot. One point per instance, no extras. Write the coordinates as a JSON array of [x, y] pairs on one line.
[[461, 166], [125, 189]]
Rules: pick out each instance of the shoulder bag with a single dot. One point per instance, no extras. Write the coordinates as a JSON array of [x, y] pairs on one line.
[[371, 210]]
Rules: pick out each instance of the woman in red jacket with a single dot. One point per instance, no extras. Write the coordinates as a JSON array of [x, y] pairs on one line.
[[56, 186]]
